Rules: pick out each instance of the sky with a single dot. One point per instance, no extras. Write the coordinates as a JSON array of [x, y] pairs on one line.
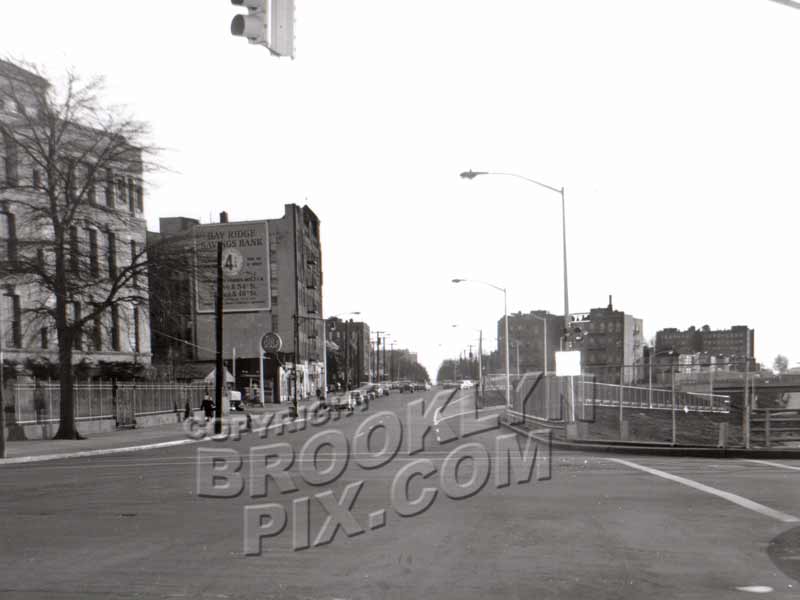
[[673, 127]]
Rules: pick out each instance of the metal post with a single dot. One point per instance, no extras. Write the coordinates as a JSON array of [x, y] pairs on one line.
[[674, 421], [324, 362], [261, 374], [346, 356], [234, 368], [650, 386], [621, 379], [220, 367], [480, 364], [508, 373], [747, 400], [384, 360], [2, 389]]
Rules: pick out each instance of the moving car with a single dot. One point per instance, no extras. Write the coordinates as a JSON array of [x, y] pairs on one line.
[[466, 384]]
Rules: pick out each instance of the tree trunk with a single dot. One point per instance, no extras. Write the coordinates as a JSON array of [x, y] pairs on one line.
[[67, 429]]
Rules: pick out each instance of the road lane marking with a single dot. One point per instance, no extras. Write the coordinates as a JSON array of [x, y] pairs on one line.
[[740, 500], [772, 464]]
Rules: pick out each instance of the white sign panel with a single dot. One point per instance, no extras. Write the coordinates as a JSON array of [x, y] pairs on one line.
[[245, 266], [568, 363]]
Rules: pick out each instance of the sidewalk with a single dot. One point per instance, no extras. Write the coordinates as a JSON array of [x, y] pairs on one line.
[[126, 440]]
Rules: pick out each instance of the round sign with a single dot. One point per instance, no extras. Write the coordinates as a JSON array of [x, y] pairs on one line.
[[271, 342], [232, 261]]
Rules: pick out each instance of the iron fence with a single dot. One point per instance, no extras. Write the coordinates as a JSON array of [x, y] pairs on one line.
[[104, 400]]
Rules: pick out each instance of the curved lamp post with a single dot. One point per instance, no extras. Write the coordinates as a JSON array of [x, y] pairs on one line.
[[473, 174], [505, 321]]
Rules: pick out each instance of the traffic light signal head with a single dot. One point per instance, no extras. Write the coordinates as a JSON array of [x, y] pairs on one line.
[[269, 23], [254, 25]]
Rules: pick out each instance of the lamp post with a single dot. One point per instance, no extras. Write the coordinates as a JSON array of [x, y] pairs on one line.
[[650, 384], [473, 174], [544, 355], [505, 322]]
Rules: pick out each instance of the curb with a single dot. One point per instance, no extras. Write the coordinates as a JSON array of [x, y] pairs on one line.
[[107, 451], [102, 452], [643, 449]]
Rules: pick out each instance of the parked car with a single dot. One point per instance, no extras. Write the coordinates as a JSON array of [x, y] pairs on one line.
[[465, 384], [355, 398], [406, 386]]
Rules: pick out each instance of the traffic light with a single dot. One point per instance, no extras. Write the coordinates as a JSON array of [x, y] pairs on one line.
[[269, 23], [254, 25]]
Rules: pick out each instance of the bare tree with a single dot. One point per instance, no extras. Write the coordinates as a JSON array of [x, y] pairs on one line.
[[74, 176]]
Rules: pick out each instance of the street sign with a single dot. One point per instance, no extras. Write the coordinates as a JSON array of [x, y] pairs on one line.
[[271, 342], [568, 363], [245, 266]]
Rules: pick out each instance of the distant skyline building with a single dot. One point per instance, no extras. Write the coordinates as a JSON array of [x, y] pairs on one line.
[[732, 344]]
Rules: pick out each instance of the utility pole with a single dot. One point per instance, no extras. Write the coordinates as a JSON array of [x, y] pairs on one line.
[[296, 313], [384, 359], [220, 371], [346, 356], [2, 389]]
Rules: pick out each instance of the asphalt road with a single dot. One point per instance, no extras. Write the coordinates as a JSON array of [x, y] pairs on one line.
[[134, 526]]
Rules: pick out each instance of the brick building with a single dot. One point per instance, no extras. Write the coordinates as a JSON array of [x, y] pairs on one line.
[[726, 346], [611, 344], [527, 344], [292, 261]]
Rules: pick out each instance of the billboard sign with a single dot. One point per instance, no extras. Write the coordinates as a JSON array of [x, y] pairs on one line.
[[245, 266]]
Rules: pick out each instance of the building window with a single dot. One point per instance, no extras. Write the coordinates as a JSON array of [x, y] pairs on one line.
[[134, 260], [8, 234], [74, 252], [114, 328], [121, 190], [131, 196], [69, 188], [12, 314], [109, 188], [91, 192], [112, 254], [94, 257], [77, 341], [139, 198], [36, 179], [136, 346], [97, 330], [10, 160], [43, 333], [274, 322]]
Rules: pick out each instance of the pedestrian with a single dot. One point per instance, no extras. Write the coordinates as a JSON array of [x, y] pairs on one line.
[[208, 407], [187, 410], [38, 403]]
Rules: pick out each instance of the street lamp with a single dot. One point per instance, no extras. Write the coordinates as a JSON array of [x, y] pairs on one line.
[[650, 384], [505, 320], [473, 174]]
